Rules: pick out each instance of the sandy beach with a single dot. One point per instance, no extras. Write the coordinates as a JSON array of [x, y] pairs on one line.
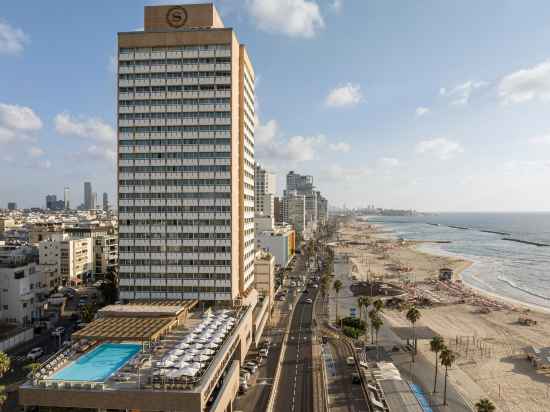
[[483, 330]]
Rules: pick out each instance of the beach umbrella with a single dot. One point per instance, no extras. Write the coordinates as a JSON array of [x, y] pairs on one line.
[[182, 364], [207, 352], [189, 372], [211, 345], [182, 345], [166, 363], [187, 357], [197, 346], [171, 357], [177, 352], [196, 365], [201, 358]]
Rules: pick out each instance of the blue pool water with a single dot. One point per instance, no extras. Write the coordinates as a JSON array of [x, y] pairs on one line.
[[98, 364]]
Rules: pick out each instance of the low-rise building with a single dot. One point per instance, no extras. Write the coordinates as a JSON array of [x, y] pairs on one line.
[[264, 276], [23, 290], [279, 241], [73, 258], [168, 358], [105, 256]]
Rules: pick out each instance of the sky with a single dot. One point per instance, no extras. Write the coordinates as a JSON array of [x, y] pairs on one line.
[[424, 104]]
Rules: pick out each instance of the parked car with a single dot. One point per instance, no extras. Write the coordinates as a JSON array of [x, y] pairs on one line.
[[350, 361], [59, 331], [243, 387], [244, 374], [264, 352], [251, 366], [308, 300], [35, 353]]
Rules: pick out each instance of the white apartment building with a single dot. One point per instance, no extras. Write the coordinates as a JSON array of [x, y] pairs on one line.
[[264, 191], [23, 290], [185, 158], [294, 211], [71, 259]]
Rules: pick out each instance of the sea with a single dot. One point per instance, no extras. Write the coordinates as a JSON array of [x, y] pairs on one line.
[[518, 272]]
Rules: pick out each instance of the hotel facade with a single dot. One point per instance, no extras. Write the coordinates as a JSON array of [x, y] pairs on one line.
[[185, 158]]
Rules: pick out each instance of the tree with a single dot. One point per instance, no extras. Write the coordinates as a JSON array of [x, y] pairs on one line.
[[485, 405], [337, 285], [5, 363], [88, 313], [436, 345], [373, 314], [33, 368], [377, 323], [3, 395], [413, 314], [378, 305], [448, 357]]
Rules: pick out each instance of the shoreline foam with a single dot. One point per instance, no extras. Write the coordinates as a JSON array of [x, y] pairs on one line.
[[423, 247]]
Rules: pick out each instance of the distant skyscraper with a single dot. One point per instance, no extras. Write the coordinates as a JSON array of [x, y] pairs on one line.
[[12, 205], [67, 198], [264, 191], [197, 180], [51, 201], [94, 201], [87, 195], [105, 201]]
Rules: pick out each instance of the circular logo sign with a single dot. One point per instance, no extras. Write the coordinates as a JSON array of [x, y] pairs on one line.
[[176, 17]]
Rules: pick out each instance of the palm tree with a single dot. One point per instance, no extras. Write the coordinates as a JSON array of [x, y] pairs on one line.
[[378, 305], [485, 405], [373, 314], [447, 359], [360, 305], [436, 345], [3, 396], [413, 314], [33, 368], [5, 363], [337, 285], [377, 323]]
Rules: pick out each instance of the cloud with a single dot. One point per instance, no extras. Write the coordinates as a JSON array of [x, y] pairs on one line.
[[16, 117], [295, 18], [12, 40], [336, 5], [340, 147], [103, 153], [35, 152], [388, 162], [527, 84], [421, 111], [441, 148], [272, 145], [460, 95], [85, 127], [335, 172], [6, 135], [347, 95], [543, 139], [301, 149], [265, 133]]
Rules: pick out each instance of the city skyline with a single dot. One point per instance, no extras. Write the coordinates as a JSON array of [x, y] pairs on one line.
[[445, 124]]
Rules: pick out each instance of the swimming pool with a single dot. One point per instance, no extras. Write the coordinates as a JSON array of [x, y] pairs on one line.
[[98, 364]]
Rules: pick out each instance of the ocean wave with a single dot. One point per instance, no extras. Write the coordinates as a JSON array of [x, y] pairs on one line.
[[523, 289]]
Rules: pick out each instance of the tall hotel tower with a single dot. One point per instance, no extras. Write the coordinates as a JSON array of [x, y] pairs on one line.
[[185, 158]]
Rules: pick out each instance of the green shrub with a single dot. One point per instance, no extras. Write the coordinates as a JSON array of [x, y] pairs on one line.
[[354, 323], [351, 332]]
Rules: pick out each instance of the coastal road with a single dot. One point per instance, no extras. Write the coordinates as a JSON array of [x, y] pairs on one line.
[[295, 392], [256, 398]]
